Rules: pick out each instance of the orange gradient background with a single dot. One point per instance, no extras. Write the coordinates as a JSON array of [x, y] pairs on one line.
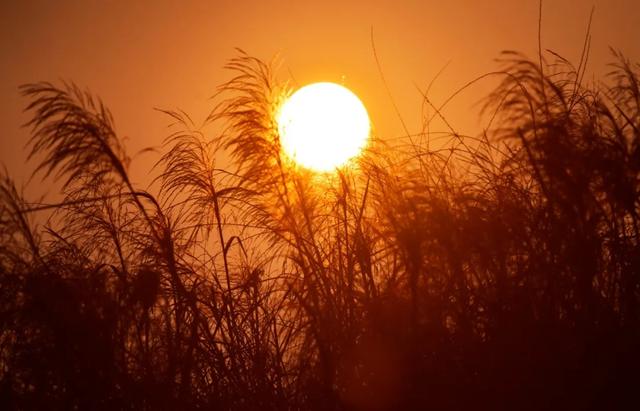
[[170, 55]]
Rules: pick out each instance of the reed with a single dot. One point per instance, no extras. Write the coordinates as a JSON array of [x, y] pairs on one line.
[[492, 271]]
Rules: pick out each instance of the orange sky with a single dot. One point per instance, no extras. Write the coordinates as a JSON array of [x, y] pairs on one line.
[[169, 54]]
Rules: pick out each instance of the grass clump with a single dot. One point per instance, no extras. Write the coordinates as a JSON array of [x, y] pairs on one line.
[[494, 271]]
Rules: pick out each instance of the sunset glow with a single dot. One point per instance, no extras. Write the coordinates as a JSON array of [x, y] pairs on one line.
[[322, 126], [364, 206]]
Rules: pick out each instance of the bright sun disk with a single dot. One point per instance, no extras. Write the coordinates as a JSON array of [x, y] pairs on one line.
[[322, 126]]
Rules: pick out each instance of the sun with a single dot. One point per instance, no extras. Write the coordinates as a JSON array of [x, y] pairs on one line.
[[322, 126]]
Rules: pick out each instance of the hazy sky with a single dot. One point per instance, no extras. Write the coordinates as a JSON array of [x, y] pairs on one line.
[[140, 55]]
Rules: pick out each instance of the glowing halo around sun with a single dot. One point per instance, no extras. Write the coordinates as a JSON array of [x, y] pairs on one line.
[[322, 126]]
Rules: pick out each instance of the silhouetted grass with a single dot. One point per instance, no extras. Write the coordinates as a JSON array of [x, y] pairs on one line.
[[495, 272]]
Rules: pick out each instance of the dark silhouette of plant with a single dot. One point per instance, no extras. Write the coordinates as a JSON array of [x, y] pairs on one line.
[[490, 272]]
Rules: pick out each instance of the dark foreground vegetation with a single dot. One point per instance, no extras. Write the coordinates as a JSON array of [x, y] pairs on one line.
[[442, 272]]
